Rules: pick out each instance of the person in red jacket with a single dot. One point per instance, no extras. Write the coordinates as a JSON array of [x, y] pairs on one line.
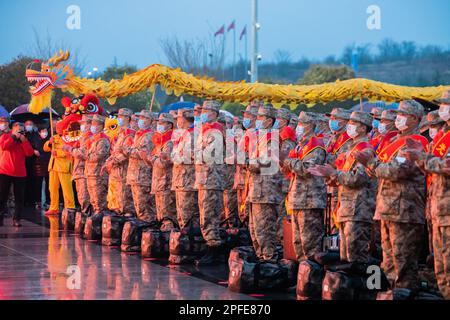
[[14, 148]]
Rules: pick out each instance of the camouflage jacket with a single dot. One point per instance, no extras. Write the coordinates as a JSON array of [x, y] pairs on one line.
[[286, 146], [335, 148], [79, 155], [243, 144], [209, 158], [118, 160], [356, 192], [265, 182], [305, 190], [401, 189], [162, 169], [183, 172], [98, 152], [139, 171]]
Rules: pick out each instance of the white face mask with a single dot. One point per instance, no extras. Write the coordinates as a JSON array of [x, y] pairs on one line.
[[351, 130], [299, 131], [433, 132], [382, 128], [400, 123], [44, 134], [444, 112]]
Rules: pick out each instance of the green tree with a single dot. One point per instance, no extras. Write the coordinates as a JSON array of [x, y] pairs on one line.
[[318, 74]]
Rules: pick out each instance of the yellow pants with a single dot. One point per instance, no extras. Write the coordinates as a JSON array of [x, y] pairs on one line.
[[65, 180], [112, 198]]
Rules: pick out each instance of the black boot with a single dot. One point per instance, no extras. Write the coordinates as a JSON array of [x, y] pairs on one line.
[[210, 258], [16, 223]]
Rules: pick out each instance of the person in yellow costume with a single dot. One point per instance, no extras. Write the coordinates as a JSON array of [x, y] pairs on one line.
[[60, 174]]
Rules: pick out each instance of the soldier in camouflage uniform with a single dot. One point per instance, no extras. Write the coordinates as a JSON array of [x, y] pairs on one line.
[[288, 140], [162, 165], [437, 164], [307, 193], [265, 186], [134, 122], [139, 174], [401, 199], [209, 180], [79, 154], [97, 152], [293, 122], [356, 192], [117, 164], [183, 173]]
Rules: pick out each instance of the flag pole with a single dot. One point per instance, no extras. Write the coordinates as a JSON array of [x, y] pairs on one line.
[[153, 97], [246, 55], [234, 50]]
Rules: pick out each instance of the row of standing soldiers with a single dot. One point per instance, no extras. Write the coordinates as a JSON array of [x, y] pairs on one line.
[[386, 181]]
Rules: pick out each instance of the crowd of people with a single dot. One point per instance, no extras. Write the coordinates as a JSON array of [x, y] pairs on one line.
[[388, 183]]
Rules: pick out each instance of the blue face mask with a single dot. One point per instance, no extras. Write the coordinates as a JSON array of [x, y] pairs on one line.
[[246, 123], [259, 124], [141, 124], [375, 123], [160, 128], [93, 129], [276, 124], [120, 122], [197, 120], [316, 130], [204, 118], [334, 125]]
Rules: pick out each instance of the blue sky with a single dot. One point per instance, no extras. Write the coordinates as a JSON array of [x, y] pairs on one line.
[[130, 30]]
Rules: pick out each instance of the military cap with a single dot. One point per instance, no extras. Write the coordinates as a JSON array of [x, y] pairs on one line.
[[251, 109], [376, 112], [186, 113], [294, 119], [98, 118], [146, 114], [166, 117], [307, 117], [211, 105], [433, 118], [134, 117], [284, 114], [222, 118], [445, 98], [268, 111], [362, 117], [340, 113], [86, 118], [125, 112], [388, 115], [411, 107]]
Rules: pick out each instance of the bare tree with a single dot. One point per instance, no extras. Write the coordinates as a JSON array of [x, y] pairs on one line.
[[197, 56], [44, 47]]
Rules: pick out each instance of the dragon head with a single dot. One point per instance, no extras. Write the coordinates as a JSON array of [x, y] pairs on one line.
[[52, 74], [69, 127]]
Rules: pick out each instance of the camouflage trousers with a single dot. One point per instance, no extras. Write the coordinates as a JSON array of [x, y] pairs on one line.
[[57, 179], [354, 241], [144, 202], [166, 210], [98, 190], [307, 232], [230, 206], [401, 244], [243, 207], [281, 215], [82, 194], [123, 198], [210, 204], [263, 230], [187, 208], [441, 246]]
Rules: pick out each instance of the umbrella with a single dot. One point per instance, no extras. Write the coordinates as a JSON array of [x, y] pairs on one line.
[[178, 105], [3, 112], [427, 105], [22, 114]]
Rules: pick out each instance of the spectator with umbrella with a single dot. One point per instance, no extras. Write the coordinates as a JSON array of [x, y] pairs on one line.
[[40, 168]]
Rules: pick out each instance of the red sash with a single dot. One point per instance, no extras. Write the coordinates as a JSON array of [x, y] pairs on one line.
[[181, 137], [210, 126], [140, 133], [262, 142], [301, 152], [288, 133], [391, 150], [345, 162], [343, 138], [159, 140], [385, 140], [96, 138], [441, 144]]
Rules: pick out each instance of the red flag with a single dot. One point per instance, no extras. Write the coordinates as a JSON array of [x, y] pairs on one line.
[[244, 32], [220, 31], [231, 26]]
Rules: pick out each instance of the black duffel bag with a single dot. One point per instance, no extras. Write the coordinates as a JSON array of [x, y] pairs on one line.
[[154, 243], [93, 226], [309, 280], [112, 228], [132, 235], [68, 219], [238, 237], [186, 245]]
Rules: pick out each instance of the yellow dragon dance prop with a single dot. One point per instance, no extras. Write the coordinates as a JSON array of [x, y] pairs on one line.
[[55, 74]]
